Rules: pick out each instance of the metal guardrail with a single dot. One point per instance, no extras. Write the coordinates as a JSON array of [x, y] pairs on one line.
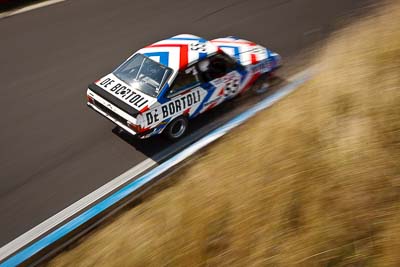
[[62, 235]]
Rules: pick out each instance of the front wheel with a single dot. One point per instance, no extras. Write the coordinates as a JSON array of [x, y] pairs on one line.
[[177, 128], [262, 84]]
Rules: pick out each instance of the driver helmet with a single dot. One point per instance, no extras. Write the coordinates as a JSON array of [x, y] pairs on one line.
[[203, 65]]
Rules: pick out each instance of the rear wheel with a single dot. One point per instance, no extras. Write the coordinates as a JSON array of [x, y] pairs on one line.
[[177, 128]]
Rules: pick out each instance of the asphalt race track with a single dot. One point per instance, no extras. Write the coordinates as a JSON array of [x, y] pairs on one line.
[[54, 150]]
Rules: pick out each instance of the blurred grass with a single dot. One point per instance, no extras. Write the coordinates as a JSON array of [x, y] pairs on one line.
[[313, 181]]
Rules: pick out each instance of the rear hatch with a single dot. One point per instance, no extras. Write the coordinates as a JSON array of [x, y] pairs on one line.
[[118, 93]]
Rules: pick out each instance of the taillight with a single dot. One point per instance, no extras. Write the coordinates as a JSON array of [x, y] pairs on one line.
[[134, 127], [90, 99]]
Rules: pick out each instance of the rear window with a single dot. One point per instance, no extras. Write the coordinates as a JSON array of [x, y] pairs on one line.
[[143, 74]]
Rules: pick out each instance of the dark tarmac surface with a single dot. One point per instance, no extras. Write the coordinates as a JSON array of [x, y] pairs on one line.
[[54, 150]]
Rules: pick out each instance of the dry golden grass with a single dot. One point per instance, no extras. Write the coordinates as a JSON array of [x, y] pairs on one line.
[[313, 181]]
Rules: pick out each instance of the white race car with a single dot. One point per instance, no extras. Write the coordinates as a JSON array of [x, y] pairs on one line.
[[164, 85]]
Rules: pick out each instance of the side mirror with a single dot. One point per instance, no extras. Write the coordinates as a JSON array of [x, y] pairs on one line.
[[170, 94]]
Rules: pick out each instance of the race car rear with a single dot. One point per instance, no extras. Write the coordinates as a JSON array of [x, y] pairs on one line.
[[106, 106]]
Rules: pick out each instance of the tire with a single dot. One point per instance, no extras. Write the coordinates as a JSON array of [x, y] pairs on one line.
[[261, 85], [176, 128]]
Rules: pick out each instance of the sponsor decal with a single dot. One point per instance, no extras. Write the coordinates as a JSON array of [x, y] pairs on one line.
[[212, 102], [231, 85], [124, 93], [175, 106], [200, 47], [228, 84], [262, 66]]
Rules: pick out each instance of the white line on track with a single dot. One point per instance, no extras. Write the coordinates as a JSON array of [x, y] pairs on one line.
[[29, 8], [104, 190]]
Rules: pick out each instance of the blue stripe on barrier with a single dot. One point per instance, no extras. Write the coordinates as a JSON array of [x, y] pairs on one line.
[[78, 221]]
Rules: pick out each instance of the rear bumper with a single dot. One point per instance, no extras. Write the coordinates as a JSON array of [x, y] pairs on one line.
[[110, 111], [115, 121]]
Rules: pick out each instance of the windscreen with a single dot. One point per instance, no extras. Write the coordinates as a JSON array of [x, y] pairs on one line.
[[143, 74]]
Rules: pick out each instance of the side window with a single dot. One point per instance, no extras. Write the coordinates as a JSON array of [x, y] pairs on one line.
[[184, 80], [216, 66]]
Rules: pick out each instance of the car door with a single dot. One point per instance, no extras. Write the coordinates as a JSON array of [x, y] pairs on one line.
[[220, 77], [185, 95]]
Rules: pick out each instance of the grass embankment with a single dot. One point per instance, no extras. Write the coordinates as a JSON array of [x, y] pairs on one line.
[[313, 181]]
